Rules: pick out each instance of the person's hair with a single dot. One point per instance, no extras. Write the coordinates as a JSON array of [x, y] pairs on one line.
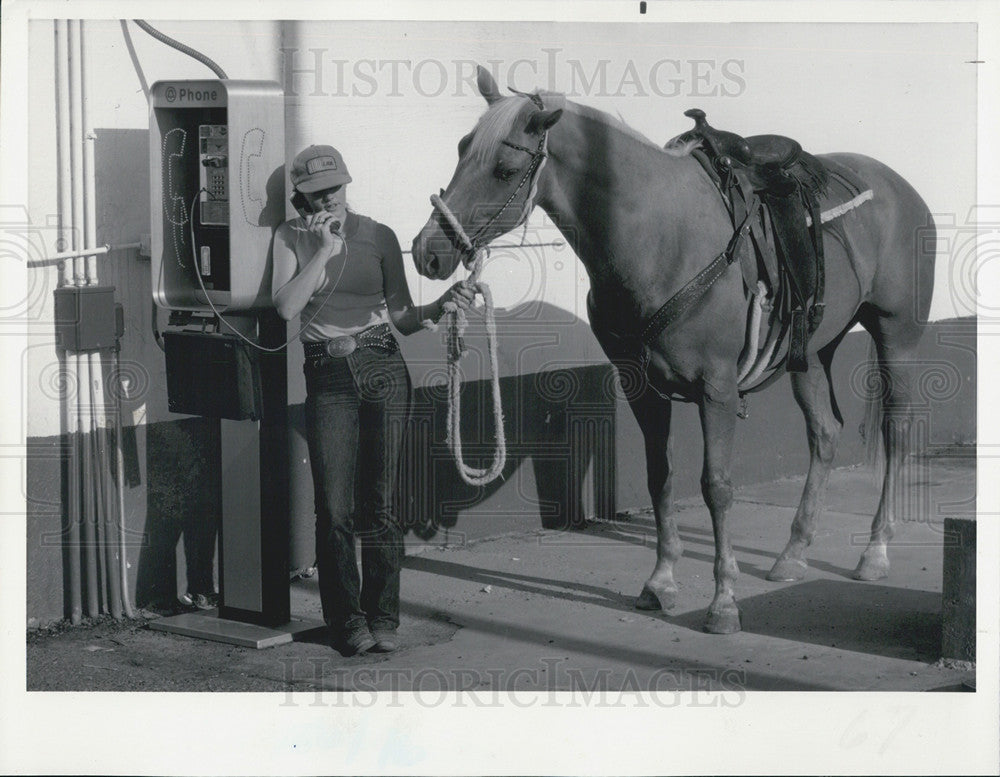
[[347, 206]]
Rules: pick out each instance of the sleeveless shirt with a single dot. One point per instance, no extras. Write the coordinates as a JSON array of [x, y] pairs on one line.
[[358, 299]]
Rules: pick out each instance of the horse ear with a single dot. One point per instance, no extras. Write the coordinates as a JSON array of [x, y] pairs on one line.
[[487, 86], [540, 121]]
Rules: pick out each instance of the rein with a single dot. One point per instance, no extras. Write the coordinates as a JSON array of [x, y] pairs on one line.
[[474, 250]]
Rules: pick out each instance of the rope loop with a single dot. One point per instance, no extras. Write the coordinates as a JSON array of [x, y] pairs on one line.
[[457, 324]]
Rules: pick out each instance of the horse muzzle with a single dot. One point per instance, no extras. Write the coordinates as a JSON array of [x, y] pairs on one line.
[[434, 255]]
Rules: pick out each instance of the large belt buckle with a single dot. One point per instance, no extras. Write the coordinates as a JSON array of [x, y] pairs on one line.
[[344, 345]]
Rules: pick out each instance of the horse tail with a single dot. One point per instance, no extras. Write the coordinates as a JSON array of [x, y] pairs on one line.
[[871, 428]]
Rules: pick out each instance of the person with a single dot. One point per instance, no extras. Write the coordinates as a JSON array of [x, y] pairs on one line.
[[342, 274]]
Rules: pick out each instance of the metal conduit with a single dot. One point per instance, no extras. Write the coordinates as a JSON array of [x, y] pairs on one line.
[[88, 534], [69, 364], [107, 549]]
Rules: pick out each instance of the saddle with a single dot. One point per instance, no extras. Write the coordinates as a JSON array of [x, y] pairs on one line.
[[789, 246]]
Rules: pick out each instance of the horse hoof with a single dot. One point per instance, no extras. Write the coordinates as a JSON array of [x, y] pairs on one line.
[[872, 569], [656, 599], [646, 600], [725, 621], [787, 570]]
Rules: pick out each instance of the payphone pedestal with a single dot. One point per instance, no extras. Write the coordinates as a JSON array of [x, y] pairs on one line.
[[254, 609]]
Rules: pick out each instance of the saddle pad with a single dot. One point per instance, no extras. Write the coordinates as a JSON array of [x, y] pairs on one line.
[[845, 190]]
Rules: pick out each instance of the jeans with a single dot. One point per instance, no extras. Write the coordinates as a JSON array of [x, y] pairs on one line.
[[356, 412]]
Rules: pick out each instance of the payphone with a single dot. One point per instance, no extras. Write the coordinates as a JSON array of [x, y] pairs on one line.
[[217, 194], [217, 151]]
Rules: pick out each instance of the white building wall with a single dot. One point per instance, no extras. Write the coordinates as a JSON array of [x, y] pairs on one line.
[[395, 97]]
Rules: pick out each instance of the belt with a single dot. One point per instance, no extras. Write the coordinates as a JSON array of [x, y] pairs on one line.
[[379, 336]]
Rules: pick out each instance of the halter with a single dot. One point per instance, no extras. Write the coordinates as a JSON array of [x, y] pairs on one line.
[[470, 246], [473, 248]]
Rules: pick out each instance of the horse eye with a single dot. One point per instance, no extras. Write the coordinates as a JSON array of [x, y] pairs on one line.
[[503, 174]]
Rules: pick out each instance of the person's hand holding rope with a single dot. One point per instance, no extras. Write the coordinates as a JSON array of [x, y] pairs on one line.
[[460, 296], [457, 301]]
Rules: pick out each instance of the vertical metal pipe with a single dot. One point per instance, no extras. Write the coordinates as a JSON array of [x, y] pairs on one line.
[[100, 540], [98, 411], [73, 508], [76, 149], [89, 538], [112, 547], [87, 140], [112, 580], [120, 476], [62, 148], [69, 364], [80, 278], [101, 474], [108, 546]]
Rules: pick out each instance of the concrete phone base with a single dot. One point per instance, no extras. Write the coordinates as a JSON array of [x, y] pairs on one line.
[[208, 625]]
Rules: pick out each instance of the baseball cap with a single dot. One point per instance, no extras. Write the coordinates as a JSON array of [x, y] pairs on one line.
[[317, 168]]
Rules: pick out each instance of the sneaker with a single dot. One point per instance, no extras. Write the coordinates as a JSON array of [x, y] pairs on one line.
[[358, 641], [165, 608], [386, 640], [200, 601]]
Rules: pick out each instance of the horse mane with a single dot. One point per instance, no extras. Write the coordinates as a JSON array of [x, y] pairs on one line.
[[493, 126], [616, 123], [496, 123]]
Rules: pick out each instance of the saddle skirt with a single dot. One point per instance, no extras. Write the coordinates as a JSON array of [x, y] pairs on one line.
[[777, 283]]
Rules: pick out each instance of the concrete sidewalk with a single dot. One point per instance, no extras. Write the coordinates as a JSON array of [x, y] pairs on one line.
[[541, 610]]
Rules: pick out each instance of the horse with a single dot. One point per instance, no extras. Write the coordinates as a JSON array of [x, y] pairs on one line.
[[644, 220]]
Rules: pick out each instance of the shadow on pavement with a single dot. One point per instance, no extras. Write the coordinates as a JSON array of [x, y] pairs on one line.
[[875, 619]]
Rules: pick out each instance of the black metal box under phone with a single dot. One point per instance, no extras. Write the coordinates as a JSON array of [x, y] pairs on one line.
[[213, 375]]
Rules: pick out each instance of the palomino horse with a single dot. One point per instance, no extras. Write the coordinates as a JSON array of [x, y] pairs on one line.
[[644, 221]]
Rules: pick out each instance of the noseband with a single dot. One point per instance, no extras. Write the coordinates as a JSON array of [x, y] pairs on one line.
[[470, 246]]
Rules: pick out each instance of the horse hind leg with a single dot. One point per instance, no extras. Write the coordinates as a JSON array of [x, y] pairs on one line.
[[813, 392], [895, 348]]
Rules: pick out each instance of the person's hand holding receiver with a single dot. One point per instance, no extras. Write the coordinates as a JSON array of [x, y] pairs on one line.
[[326, 227]]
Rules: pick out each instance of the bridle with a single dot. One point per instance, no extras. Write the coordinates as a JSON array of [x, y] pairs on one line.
[[471, 246], [472, 250]]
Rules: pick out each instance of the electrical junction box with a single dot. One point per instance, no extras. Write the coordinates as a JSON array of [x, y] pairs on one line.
[[87, 318], [217, 177]]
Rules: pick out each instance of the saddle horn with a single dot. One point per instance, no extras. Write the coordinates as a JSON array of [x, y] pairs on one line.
[[722, 143]]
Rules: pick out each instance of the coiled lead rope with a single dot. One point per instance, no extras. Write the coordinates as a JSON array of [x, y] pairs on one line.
[[457, 324]]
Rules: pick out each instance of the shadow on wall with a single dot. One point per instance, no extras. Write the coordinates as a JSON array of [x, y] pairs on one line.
[[183, 504], [560, 403], [561, 422], [180, 502]]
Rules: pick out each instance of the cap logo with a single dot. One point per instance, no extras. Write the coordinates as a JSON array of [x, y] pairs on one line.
[[320, 163]]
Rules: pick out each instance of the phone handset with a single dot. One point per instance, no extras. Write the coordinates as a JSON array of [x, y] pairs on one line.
[[301, 204]]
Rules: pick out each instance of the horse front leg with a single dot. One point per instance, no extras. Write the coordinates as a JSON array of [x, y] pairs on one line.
[[652, 412], [718, 422]]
